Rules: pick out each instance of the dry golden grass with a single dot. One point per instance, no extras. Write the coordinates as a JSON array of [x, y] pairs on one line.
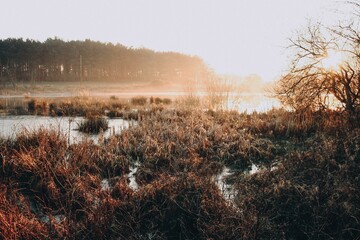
[[307, 186]]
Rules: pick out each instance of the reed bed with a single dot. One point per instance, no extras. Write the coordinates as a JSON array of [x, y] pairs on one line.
[[312, 193], [86, 106], [93, 125], [307, 185]]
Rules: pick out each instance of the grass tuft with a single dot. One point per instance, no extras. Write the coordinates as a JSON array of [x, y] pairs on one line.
[[93, 125]]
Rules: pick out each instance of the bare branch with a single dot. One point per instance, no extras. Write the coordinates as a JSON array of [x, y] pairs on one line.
[[308, 83]]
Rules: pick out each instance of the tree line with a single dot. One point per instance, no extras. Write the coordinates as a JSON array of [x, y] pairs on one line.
[[57, 60]]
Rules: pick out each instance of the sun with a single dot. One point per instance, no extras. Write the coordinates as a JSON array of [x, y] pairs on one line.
[[332, 60]]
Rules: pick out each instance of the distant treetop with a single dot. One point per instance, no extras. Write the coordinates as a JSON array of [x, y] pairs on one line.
[[58, 60]]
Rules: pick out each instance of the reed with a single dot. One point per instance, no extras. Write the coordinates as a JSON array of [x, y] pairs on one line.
[[307, 185], [139, 101], [93, 125]]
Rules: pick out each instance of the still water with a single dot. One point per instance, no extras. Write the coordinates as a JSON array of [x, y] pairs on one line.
[[10, 126]]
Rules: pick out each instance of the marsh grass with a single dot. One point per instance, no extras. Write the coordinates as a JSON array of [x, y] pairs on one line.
[[76, 106], [93, 125], [307, 186], [139, 101], [157, 101], [87, 106], [312, 193]]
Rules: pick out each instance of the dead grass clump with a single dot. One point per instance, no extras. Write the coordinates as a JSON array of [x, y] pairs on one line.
[[16, 219], [26, 139], [36, 162], [33, 150], [114, 114], [38, 107], [93, 125], [165, 137], [32, 105], [83, 195], [112, 165], [190, 101], [138, 101], [121, 190], [312, 194], [177, 207], [157, 101], [68, 108], [104, 161], [166, 101], [18, 110]]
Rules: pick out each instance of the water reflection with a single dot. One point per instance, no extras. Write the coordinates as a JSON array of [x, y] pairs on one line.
[[249, 102], [10, 126]]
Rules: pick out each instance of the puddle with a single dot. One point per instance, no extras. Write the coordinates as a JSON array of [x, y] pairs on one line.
[[254, 169], [226, 189], [105, 184], [133, 185], [57, 218]]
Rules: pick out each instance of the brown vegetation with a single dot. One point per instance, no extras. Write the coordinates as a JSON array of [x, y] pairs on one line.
[[307, 186], [93, 125]]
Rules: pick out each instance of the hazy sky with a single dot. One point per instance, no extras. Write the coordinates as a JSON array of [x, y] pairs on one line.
[[232, 36]]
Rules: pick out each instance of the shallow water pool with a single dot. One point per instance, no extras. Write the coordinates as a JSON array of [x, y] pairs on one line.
[[10, 126]]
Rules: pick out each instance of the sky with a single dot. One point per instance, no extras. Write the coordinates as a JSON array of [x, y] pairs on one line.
[[241, 37]]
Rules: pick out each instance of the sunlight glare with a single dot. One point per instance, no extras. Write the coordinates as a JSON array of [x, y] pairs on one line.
[[253, 103], [332, 59]]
